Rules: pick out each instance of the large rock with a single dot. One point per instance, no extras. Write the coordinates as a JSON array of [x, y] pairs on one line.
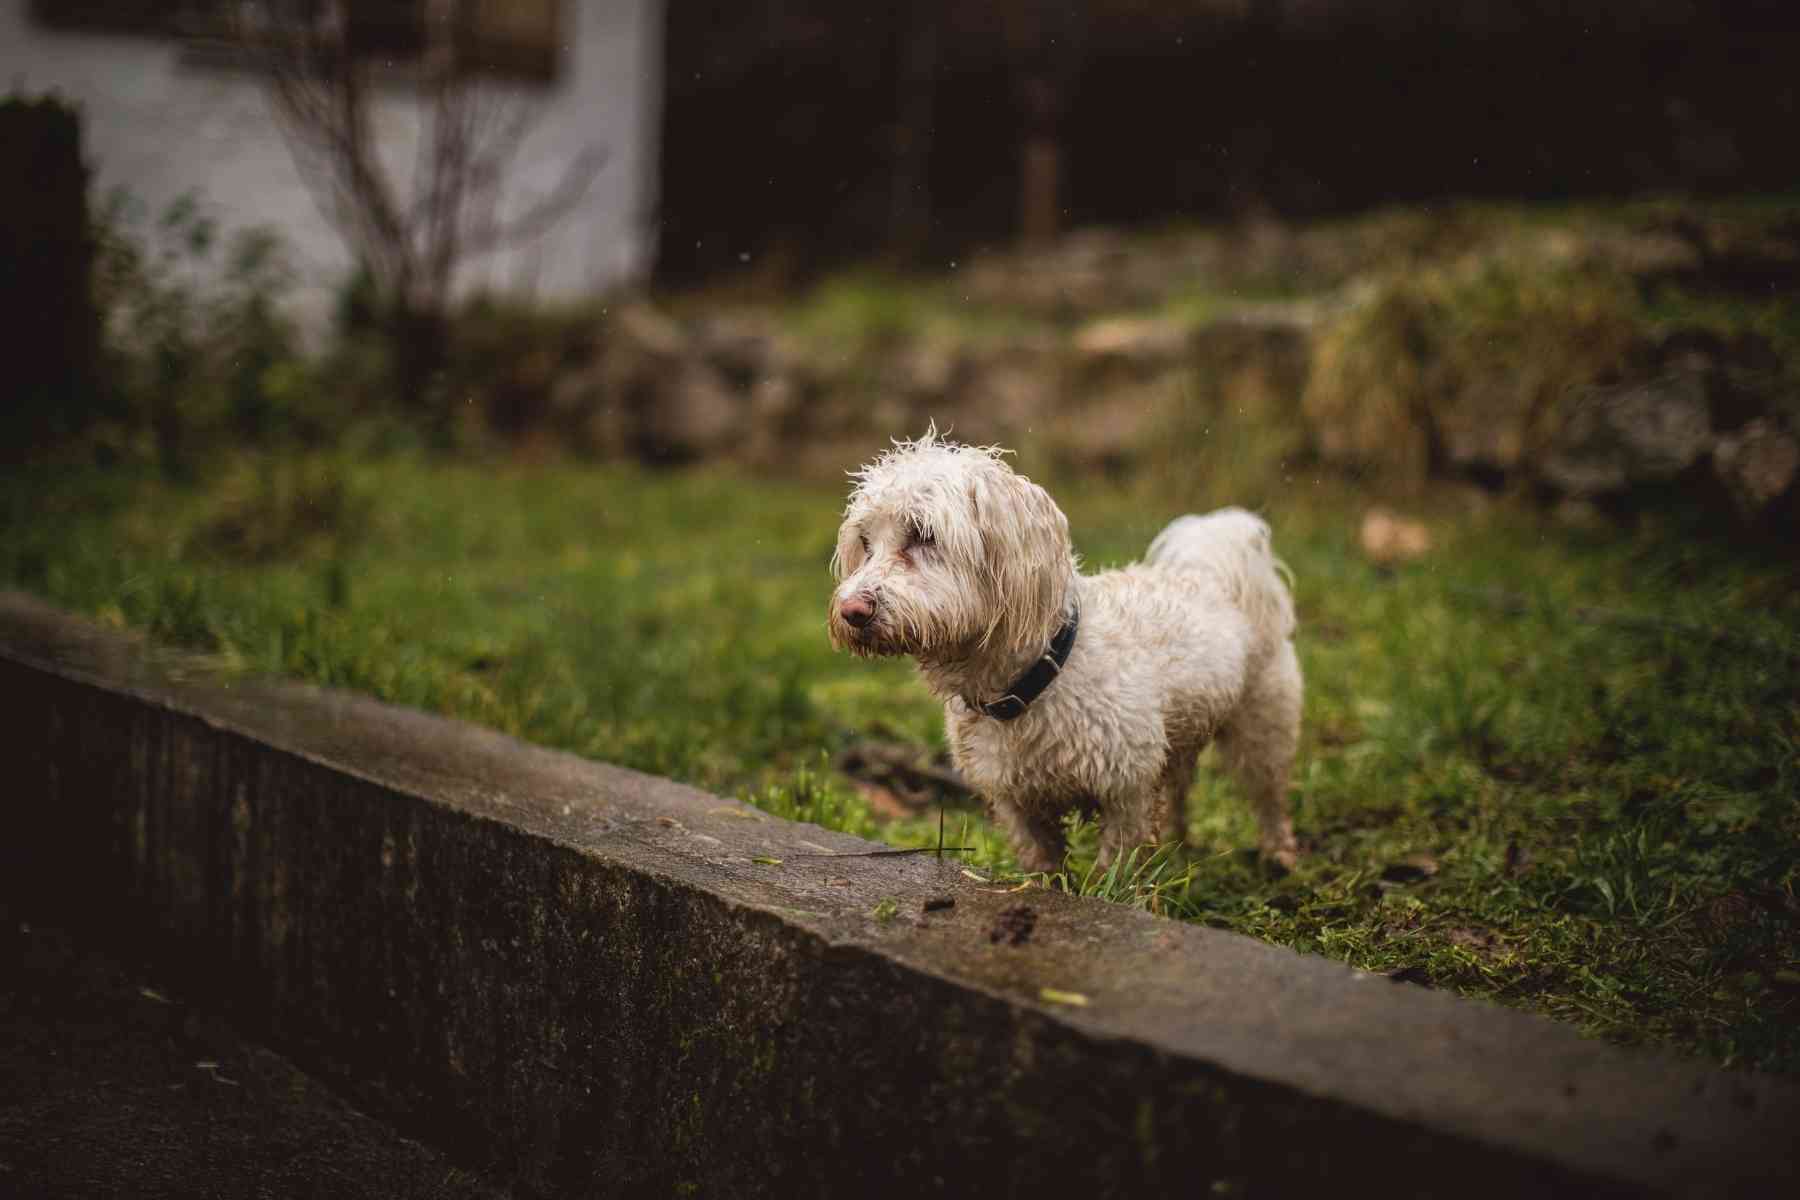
[[1613, 439], [692, 414], [654, 393], [1148, 342], [1007, 392], [1757, 465]]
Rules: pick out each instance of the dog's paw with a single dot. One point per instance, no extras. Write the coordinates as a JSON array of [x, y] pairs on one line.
[[1281, 859]]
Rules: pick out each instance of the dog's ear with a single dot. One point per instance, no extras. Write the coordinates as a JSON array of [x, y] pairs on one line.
[[1027, 556]]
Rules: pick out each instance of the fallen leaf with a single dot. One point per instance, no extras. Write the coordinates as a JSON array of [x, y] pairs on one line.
[[1389, 538], [1014, 926]]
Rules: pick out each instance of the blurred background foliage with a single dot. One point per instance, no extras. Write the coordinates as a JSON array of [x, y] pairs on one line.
[[1599, 360]]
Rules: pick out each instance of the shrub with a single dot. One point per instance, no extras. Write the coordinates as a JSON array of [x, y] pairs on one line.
[[505, 359], [197, 348]]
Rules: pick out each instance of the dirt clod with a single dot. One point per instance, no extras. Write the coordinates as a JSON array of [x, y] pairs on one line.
[[1413, 974], [1014, 926]]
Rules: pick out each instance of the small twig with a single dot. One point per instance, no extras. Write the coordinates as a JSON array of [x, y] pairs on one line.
[[891, 853], [884, 760]]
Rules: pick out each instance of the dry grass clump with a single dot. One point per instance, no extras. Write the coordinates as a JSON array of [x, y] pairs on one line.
[[1466, 363]]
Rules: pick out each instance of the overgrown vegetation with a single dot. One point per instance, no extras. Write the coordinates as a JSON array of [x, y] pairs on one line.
[[200, 355], [1410, 346], [198, 350], [1469, 356], [1507, 788]]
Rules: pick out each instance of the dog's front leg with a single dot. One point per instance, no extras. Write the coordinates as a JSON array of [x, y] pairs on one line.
[[1129, 819], [1037, 837]]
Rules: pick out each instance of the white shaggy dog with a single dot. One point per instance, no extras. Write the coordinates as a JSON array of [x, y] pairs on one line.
[[1064, 691]]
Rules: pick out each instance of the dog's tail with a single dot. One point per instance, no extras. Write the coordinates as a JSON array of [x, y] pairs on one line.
[[1233, 547]]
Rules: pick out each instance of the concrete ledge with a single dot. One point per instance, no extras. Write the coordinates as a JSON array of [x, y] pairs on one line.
[[583, 978]]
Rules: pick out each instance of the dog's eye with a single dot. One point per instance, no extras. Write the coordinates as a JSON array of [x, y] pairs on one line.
[[864, 539], [922, 537]]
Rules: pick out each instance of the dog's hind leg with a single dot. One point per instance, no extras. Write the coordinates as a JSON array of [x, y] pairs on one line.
[[1258, 744]]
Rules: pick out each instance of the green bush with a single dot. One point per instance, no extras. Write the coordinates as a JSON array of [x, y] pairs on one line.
[[197, 347], [504, 361]]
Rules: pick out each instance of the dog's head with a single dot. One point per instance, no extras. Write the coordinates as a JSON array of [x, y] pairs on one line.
[[945, 550]]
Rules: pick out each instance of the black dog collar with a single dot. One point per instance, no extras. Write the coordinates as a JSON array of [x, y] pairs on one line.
[[1038, 676]]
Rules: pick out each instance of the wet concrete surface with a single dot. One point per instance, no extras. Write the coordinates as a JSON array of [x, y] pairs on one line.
[[113, 1085], [583, 980]]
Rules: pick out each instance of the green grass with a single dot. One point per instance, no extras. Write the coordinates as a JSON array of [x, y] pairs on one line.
[[1506, 788], [855, 310], [564, 606]]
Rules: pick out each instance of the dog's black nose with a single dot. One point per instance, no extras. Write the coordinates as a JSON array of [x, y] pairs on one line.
[[858, 611]]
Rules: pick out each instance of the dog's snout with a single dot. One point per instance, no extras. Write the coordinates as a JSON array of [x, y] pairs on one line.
[[858, 611]]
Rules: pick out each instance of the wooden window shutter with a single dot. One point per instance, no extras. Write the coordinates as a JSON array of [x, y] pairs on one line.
[[520, 38]]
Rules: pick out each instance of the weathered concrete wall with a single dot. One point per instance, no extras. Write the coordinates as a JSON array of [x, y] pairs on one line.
[[583, 978]]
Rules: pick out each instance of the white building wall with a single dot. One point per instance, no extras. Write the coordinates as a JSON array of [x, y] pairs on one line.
[[161, 127]]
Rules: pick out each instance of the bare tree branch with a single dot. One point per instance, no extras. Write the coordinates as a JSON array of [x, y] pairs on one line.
[[544, 214], [470, 132]]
